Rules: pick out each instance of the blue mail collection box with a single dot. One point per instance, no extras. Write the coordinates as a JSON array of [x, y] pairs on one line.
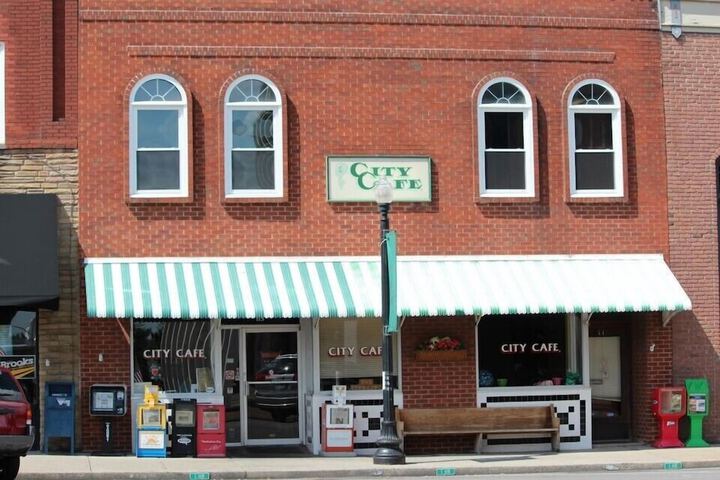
[[59, 413]]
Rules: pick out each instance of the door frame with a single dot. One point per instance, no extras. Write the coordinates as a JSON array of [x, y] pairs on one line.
[[242, 331], [617, 326]]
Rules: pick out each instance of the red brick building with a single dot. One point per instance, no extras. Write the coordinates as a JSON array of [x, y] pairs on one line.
[[217, 139], [690, 91], [39, 311]]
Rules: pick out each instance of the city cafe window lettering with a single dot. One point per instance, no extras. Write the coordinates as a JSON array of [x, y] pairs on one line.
[[351, 353], [525, 350], [174, 355]]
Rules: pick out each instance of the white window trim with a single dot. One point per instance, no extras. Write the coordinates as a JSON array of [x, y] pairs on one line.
[[276, 108], [2, 94], [181, 108], [617, 149], [526, 110]]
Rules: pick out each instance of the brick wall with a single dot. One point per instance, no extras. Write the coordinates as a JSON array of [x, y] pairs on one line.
[[40, 72], [104, 337], [438, 384], [370, 82], [651, 369], [692, 100], [55, 172]]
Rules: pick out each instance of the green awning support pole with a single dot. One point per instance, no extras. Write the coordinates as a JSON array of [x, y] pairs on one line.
[[698, 406]]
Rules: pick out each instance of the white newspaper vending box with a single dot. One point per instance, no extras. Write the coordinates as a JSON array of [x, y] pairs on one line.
[[337, 425]]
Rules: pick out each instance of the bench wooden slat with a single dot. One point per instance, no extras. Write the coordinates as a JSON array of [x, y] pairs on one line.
[[479, 421]]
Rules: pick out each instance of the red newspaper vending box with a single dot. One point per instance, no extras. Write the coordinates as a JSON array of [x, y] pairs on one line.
[[211, 430], [668, 406]]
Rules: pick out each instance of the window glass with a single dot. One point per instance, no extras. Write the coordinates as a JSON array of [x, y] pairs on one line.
[[593, 94], [503, 92], [593, 131], [252, 129], [158, 128], [504, 130], [158, 143], [252, 90], [253, 170], [506, 149], [505, 170], [176, 355], [594, 171], [351, 353], [158, 170], [157, 90], [595, 143], [524, 349], [253, 154], [9, 389]]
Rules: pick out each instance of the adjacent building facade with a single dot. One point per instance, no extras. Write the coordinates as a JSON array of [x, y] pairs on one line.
[[39, 254], [690, 48]]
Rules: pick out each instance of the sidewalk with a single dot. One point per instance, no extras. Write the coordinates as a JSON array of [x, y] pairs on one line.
[[635, 457]]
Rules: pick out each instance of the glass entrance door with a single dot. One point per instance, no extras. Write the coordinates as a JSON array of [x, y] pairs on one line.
[[260, 385], [271, 387]]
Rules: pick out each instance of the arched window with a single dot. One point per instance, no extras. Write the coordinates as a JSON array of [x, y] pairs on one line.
[[253, 139], [158, 138], [505, 139], [594, 133]]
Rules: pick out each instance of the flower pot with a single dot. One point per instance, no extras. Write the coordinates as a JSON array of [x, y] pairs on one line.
[[440, 355]]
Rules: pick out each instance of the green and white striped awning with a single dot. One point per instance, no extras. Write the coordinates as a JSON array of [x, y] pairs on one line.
[[321, 287]]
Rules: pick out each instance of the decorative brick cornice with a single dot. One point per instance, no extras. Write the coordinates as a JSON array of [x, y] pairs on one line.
[[371, 53], [238, 16]]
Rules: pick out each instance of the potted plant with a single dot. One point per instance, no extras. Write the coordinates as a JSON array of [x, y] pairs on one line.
[[438, 348]]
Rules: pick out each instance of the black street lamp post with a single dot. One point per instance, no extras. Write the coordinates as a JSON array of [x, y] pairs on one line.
[[388, 452]]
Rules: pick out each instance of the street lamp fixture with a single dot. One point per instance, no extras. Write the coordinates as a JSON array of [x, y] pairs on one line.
[[388, 452]]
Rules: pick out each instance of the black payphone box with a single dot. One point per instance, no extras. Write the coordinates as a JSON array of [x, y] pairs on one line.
[[108, 400]]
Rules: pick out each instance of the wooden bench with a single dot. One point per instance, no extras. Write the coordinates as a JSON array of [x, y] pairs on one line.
[[480, 421]]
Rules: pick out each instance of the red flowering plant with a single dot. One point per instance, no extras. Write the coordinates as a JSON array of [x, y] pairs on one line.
[[441, 343]]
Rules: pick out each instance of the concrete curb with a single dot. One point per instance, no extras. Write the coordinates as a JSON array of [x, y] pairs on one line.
[[407, 470]]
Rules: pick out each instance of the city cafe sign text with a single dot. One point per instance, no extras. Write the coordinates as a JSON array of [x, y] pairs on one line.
[[353, 178]]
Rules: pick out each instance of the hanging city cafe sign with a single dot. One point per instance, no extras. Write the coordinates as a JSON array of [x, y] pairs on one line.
[[353, 178]]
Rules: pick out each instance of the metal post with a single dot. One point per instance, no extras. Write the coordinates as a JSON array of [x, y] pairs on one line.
[[388, 452]]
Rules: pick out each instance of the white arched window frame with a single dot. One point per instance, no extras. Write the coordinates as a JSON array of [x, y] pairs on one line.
[[596, 167], [2, 94], [253, 160], [505, 96], [158, 149]]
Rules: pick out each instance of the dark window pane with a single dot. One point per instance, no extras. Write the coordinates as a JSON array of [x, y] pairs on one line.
[[253, 170], [158, 170], [9, 389], [505, 348], [504, 130], [594, 171], [593, 130], [505, 170], [252, 129], [157, 129]]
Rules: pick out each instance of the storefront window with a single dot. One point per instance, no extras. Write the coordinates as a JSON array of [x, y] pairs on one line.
[[521, 350], [351, 353], [18, 350], [175, 355]]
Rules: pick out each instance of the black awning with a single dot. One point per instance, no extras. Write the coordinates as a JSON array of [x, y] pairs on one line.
[[28, 251]]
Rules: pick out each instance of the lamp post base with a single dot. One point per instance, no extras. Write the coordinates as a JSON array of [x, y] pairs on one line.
[[388, 456]]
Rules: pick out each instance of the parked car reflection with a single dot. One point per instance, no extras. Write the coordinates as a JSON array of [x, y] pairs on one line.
[[280, 396]]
